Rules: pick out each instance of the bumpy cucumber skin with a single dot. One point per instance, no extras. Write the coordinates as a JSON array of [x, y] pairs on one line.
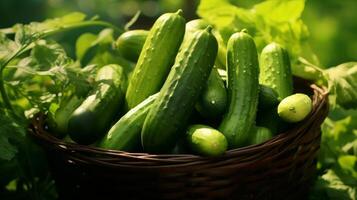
[[243, 89], [213, 99], [260, 135], [268, 98], [206, 141], [171, 110], [295, 108], [156, 58], [90, 121], [275, 70], [125, 134], [130, 44]]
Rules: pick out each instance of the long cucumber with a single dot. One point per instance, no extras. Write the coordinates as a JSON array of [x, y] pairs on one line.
[[171, 110]]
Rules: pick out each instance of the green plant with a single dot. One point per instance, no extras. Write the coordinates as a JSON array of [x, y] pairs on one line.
[[35, 74]]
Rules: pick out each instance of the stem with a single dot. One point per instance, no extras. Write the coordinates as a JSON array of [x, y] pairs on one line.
[[4, 96], [3, 92], [81, 25]]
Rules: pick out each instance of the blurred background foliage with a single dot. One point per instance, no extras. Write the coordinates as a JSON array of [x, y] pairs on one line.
[[332, 23]]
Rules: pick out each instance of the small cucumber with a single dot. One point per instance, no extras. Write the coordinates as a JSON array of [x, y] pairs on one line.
[[243, 89], [212, 102], [206, 141], [260, 135], [295, 108], [268, 98], [275, 70], [130, 44], [156, 58], [58, 122], [172, 108], [125, 134], [90, 121]]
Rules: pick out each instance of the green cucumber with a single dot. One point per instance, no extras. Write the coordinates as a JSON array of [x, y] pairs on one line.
[[156, 58], [260, 135], [275, 70], [125, 134], [295, 108], [130, 44], [195, 25], [213, 99], [91, 120], [268, 98], [243, 89], [58, 121], [199, 24], [212, 102], [171, 110], [206, 141], [269, 118]]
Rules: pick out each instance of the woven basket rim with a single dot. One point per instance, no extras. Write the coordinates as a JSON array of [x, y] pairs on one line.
[[104, 156]]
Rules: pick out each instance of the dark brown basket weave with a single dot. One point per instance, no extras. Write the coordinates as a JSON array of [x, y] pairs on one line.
[[281, 168]]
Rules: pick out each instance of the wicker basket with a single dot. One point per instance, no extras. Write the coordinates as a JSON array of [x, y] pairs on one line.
[[281, 168]]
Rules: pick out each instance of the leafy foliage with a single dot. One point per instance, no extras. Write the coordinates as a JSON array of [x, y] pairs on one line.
[[343, 79], [35, 75]]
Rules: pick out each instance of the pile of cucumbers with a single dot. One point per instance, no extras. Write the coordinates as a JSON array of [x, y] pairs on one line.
[[186, 94]]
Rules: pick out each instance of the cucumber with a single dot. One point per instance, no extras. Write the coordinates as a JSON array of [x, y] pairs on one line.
[[260, 135], [213, 99], [199, 24], [156, 58], [269, 118], [90, 121], [268, 98], [206, 141], [295, 108], [130, 44], [275, 70], [125, 134], [171, 110], [58, 121], [212, 102], [243, 89], [196, 24]]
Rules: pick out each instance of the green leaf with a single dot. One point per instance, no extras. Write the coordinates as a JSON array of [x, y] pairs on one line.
[[333, 185], [48, 54], [49, 24], [7, 47], [343, 79], [226, 17], [83, 43], [349, 164], [11, 132], [280, 10], [132, 21], [89, 45]]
